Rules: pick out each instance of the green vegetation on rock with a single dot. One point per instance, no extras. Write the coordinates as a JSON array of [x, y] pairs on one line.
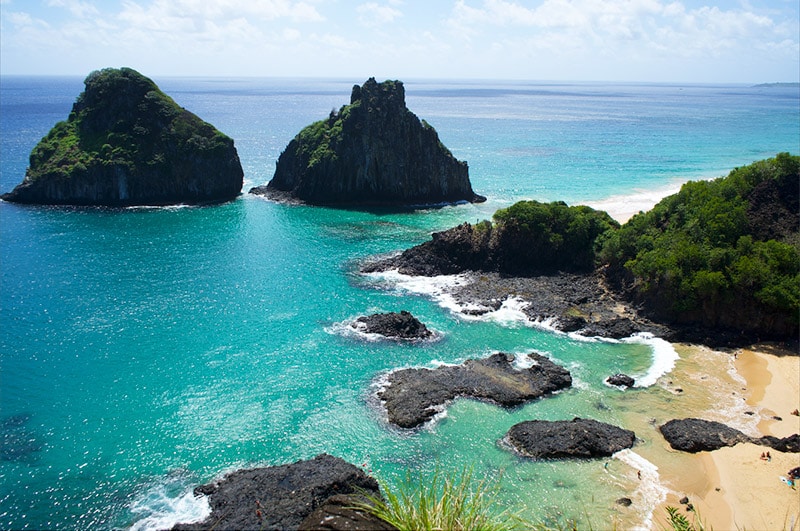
[[127, 142], [553, 236], [724, 252]]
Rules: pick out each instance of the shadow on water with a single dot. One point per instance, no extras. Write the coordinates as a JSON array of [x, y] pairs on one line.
[[17, 441]]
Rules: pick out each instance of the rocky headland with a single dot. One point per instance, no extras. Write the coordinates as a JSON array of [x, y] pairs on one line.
[[372, 152], [316, 494], [697, 435], [127, 143], [717, 264], [576, 438], [413, 396], [393, 325]]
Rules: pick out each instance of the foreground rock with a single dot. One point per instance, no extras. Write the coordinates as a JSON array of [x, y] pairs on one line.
[[393, 325], [372, 152], [282, 497], [413, 396], [127, 143], [698, 435], [337, 513], [568, 438]]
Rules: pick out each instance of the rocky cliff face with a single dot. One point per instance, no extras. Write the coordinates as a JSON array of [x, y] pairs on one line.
[[372, 152], [127, 143]]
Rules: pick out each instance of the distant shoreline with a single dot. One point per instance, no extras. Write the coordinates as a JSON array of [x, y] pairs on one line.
[[781, 85]]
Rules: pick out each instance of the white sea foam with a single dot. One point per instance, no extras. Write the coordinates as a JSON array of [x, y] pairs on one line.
[[433, 287], [438, 288], [161, 508], [650, 492], [664, 357], [352, 328]]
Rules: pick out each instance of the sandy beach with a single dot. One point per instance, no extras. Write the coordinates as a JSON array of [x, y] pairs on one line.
[[733, 488]]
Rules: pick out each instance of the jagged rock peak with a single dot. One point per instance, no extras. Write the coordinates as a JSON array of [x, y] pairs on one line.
[[373, 151], [128, 143], [389, 92]]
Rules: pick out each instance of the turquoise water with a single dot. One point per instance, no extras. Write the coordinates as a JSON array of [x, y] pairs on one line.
[[145, 351]]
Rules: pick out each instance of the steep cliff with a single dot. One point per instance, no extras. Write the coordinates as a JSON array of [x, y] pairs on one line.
[[372, 152], [127, 143]]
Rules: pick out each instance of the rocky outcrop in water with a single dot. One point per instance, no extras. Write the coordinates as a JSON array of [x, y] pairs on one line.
[[568, 438], [393, 325], [698, 435], [413, 396], [127, 143], [282, 497], [620, 380], [372, 152]]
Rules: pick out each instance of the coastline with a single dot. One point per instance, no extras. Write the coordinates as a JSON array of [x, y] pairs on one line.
[[732, 488]]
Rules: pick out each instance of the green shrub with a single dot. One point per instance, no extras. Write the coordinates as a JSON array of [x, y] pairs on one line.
[[697, 250]]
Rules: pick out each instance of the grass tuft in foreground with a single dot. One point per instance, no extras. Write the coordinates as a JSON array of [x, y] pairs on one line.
[[679, 522], [444, 502]]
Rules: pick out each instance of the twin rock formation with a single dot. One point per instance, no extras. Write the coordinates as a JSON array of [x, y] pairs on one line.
[[127, 143]]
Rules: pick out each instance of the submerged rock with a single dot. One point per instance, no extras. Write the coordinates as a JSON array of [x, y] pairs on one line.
[[127, 143], [413, 396], [393, 325], [372, 152], [698, 435], [568, 438], [279, 497]]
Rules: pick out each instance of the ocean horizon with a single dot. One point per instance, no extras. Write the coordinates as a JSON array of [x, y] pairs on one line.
[[145, 351]]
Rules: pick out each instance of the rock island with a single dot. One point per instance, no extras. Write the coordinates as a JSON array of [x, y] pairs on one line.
[[373, 152], [127, 143]]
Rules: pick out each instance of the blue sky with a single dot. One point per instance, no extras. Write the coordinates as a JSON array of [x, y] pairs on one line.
[[702, 41]]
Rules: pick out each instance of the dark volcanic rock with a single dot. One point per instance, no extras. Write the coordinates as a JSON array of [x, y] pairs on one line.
[[570, 302], [394, 325], [372, 152], [412, 396], [127, 143], [338, 514], [278, 497], [620, 380], [568, 438], [786, 444], [698, 435]]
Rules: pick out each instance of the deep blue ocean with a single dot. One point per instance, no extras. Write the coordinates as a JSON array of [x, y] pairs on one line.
[[145, 351]]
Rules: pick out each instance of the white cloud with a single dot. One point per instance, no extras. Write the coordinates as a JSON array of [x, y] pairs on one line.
[[372, 14], [621, 25], [534, 39], [220, 10], [76, 7]]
